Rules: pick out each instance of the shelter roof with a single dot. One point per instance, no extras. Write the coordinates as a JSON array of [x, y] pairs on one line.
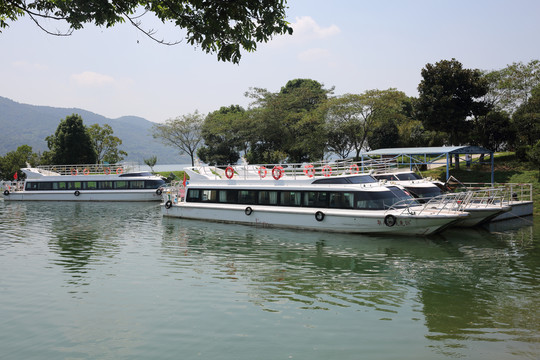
[[430, 150]]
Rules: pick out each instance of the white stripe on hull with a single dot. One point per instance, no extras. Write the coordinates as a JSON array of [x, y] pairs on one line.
[[84, 195], [335, 220]]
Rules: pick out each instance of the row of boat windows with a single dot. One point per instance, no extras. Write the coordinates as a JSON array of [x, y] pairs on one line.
[[93, 185], [375, 200]]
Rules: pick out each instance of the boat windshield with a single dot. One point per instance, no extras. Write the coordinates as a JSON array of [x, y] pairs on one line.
[[424, 193], [357, 179], [408, 176], [386, 199]]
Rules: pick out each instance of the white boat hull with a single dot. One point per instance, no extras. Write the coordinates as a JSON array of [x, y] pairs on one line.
[[85, 195], [335, 220]]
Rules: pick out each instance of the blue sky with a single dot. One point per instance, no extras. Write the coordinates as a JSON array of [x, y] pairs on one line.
[[352, 45]]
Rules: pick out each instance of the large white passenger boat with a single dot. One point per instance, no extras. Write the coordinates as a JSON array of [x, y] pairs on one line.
[[350, 203], [85, 183]]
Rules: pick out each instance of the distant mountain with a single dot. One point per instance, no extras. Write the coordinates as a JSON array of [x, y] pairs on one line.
[[22, 124]]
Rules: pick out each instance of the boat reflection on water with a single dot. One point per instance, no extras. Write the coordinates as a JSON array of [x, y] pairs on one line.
[[464, 285]]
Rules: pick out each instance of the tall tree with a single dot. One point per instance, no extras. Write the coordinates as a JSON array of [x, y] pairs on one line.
[[71, 143], [182, 133], [287, 124], [223, 132], [106, 144], [13, 161], [448, 95], [512, 86], [526, 120], [217, 26]]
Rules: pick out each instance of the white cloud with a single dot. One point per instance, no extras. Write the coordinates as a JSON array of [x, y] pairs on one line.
[[89, 78], [306, 28], [25, 65], [314, 54]]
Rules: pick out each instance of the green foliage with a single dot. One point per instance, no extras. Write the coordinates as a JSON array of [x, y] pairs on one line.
[[449, 95], [105, 144], [71, 143], [534, 156], [526, 120], [513, 85], [288, 125], [217, 26], [182, 133], [151, 162], [494, 131], [13, 161]]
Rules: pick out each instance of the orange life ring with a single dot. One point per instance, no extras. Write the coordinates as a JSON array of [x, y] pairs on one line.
[[327, 170], [277, 172], [86, 171], [119, 171], [309, 170], [229, 172], [262, 172], [107, 171], [354, 169], [74, 171]]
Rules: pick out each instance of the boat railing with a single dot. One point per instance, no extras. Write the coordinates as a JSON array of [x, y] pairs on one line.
[[453, 202], [87, 169], [509, 192]]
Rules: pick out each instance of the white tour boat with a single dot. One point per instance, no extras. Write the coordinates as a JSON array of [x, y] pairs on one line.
[[85, 183], [275, 197]]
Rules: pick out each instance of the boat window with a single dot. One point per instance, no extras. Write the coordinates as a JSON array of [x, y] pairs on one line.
[[341, 200], [290, 198], [316, 199], [121, 184], [45, 186], [136, 174], [193, 195], [268, 197], [31, 186], [408, 176], [331, 181], [385, 177], [209, 195], [105, 185], [61, 185], [75, 185], [247, 196], [424, 192], [153, 184], [362, 179], [136, 184], [91, 185], [228, 196]]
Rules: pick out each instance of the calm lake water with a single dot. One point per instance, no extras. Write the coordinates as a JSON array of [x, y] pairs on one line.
[[118, 281]]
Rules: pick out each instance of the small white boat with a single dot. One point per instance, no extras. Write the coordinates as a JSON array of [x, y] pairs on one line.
[[483, 204], [85, 183], [273, 197]]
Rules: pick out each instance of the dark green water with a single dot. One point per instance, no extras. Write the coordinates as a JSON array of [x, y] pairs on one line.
[[117, 281]]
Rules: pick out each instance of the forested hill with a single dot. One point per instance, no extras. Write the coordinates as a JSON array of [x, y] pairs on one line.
[[22, 124]]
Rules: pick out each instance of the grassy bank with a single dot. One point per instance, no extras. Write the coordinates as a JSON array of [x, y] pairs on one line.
[[508, 169]]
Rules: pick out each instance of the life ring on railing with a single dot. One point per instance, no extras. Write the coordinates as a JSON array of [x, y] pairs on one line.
[[86, 171], [107, 171], [159, 191], [277, 172], [74, 171], [229, 172], [309, 170], [262, 172], [354, 169], [168, 204], [119, 171], [6, 192], [327, 170], [389, 220]]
